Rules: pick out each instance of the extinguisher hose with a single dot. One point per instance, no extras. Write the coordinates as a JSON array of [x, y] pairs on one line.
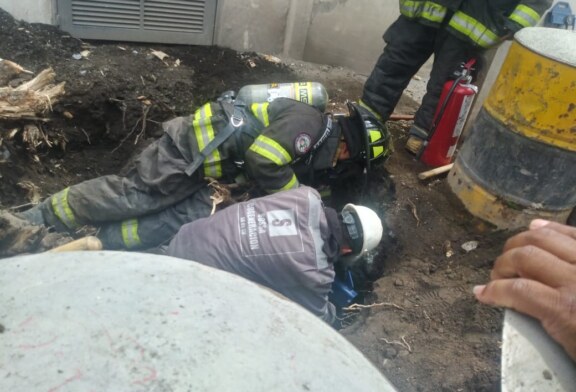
[[440, 114]]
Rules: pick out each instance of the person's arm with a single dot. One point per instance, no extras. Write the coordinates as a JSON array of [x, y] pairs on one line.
[[536, 275], [526, 14], [292, 129], [315, 300], [268, 162]]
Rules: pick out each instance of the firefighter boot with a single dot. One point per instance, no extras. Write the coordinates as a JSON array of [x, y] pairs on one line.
[[43, 215], [415, 141], [34, 216]]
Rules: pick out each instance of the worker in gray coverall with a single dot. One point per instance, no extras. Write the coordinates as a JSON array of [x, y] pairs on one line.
[[277, 145], [288, 242]]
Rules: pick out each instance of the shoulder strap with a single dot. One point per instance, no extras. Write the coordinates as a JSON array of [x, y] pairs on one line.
[[235, 122]]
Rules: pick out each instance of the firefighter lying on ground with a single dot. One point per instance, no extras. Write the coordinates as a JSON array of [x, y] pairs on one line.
[[453, 31], [277, 145], [288, 242]]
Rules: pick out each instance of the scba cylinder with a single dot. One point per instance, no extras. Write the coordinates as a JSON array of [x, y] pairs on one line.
[[519, 160], [312, 93]]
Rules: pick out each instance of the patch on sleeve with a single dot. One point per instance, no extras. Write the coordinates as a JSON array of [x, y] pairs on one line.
[[302, 143]]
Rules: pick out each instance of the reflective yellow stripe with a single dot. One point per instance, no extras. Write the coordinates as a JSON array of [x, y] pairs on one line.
[[260, 110], [410, 8], [372, 111], [303, 92], [423, 9], [130, 235], [204, 132], [325, 192], [292, 184], [473, 29], [270, 150], [525, 16], [62, 209], [376, 150]]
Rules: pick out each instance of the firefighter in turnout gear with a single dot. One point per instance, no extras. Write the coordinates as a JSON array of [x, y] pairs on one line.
[[453, 31], [276, 145], [288, 242]]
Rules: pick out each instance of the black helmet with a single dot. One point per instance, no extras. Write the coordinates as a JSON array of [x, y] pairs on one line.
[[375, 135]]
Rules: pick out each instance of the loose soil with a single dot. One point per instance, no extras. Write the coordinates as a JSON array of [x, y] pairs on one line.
[[425, 332]]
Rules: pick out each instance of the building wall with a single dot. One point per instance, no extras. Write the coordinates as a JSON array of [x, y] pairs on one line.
[[252, 25], [32, 11], [349, 32], [337, 32]]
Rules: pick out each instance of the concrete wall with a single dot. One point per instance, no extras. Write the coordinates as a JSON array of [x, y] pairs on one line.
[[252, 25], [349, 32], [338, 32], [33, 11]]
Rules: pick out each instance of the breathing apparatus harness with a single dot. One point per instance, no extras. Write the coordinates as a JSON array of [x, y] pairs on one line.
[[240, 119]]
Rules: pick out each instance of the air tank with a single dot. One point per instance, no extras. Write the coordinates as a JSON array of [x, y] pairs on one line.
[[312, 93]]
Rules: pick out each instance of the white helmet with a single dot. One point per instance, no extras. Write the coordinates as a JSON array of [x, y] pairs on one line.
[[364, 229]]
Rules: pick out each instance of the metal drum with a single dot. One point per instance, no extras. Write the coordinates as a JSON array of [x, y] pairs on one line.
[[519, 159], [119, 321]]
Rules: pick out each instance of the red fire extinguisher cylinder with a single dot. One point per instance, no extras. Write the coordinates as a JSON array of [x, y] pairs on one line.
[[451, 114]]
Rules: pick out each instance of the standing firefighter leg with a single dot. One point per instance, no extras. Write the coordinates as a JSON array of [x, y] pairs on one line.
[[408, 45]]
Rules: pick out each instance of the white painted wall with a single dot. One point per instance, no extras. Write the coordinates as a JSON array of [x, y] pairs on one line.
[[349, 33], [337, 32], [32, 11]]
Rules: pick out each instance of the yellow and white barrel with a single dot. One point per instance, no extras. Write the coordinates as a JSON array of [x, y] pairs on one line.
[[519, 159]]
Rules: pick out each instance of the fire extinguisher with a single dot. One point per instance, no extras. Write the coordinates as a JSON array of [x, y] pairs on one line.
[[453, 108]]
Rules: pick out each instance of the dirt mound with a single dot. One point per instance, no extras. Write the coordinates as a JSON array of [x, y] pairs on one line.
[[425, 331]]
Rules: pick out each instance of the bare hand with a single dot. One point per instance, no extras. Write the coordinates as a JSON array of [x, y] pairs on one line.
[[536, 275]]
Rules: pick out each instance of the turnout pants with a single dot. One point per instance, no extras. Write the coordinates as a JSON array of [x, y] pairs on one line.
[[409, 44], [143, 209]]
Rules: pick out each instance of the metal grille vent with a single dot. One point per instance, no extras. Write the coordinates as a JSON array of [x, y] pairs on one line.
[[107, 13], [170, 21], [185, 16]]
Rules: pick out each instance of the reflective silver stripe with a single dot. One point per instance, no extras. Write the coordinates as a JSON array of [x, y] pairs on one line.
[[130, 235], [271, 150], [525, 16], [433, 12], [472, 28], [292, 184], [62, 209], [315, 206], [260, 110], [423, 9], [411, 9], [204, 132]]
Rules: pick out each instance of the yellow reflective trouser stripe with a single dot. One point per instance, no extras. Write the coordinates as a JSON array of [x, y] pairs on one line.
[[271, 150], [423, 9], [260, 110], [525, 16], [292, 184], [130, 235], [204, 132], [475, 30], [62, 209]]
